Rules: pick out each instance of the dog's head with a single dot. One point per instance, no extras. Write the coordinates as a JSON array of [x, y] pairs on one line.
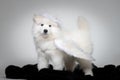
[[46, 27]]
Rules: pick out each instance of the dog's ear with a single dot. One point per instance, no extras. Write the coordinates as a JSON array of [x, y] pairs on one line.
[[37, 18]]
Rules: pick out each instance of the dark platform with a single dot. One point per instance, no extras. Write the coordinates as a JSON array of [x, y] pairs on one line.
[[30, 72]]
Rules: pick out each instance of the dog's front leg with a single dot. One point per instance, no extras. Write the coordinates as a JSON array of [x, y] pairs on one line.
[[42, 61], [57, 61]]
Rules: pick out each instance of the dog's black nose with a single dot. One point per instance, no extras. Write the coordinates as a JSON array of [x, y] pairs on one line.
[[45, 30]]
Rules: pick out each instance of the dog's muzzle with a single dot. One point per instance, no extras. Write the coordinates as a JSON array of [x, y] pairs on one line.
[[45, 31]]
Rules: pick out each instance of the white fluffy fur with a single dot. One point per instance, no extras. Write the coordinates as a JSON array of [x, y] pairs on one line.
[[62, 49]]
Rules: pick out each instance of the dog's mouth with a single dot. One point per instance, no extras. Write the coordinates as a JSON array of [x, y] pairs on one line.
[[45, 35]]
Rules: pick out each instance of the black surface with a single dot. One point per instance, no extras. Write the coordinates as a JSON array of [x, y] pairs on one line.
[[30, 72]]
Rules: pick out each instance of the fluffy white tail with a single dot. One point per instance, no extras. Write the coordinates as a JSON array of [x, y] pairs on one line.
[[83, 24]]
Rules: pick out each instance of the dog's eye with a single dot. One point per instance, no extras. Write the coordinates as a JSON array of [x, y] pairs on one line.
[[42, 24], [50, 25]]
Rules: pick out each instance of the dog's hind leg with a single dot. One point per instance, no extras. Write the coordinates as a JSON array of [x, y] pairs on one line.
[[86, 66], [70, 63]]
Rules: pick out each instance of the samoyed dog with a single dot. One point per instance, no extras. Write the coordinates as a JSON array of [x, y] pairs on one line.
[[59, 48]]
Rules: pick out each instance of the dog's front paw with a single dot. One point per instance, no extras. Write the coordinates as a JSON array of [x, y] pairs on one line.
[[39, 66], [88, 72]]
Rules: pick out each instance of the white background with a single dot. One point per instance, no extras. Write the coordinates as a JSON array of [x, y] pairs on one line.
[[16, 42]]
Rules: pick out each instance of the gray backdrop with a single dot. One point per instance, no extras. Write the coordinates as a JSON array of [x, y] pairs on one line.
[[16, 42]]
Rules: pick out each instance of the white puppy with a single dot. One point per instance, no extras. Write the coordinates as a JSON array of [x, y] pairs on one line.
[[45, 30], [62, 49]]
